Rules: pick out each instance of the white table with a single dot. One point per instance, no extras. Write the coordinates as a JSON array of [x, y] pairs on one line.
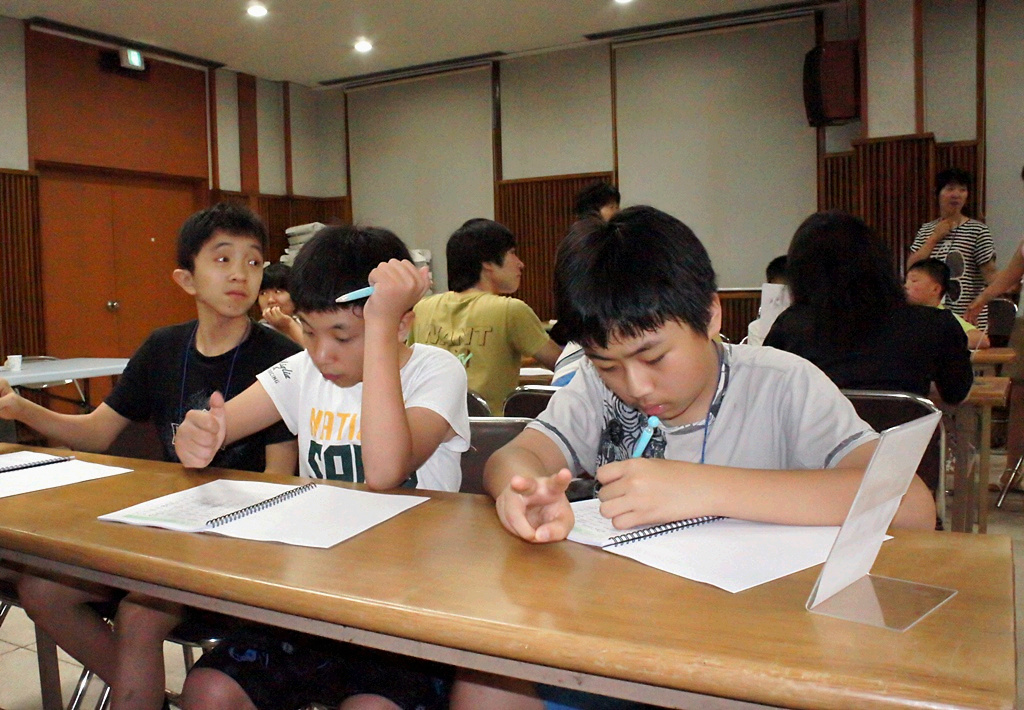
[[40, 372]]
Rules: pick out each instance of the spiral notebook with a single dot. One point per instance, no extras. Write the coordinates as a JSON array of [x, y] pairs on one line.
[[29, 471], [730, 554], [310, 515]]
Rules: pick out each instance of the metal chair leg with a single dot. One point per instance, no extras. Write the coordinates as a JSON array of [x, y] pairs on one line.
[[103, 702], [1010, 482], [78, 695]]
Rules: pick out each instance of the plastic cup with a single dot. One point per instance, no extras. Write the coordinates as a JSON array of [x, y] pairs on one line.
[[13, 362]]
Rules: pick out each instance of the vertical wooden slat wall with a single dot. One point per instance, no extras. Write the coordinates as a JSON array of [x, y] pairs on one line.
[[21, 293], [896, 177], [739, 307], [539, 211], [840, 183]]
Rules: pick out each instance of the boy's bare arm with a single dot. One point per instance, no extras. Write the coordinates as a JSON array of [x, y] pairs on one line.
[[527, 479], [395, 440], [94, 431], [548, 355], [203, 432], [651, 491], [282, 457]]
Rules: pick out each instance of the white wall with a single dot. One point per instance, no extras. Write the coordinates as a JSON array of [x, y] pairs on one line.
[[890, 67], [950, 57], [712, 129], [331, 148], [305, 143], [229, 162], [1004, 79], [556, 114], [270, 136], [13, 112], [421, 158]]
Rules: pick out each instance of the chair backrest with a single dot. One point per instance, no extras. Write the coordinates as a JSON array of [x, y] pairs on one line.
[[487, 435], [883, 409], [477, 405], [1001, 314], [528, 400]]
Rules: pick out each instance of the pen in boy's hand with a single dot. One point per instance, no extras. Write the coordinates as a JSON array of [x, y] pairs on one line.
[[645, 436], [365, 292]]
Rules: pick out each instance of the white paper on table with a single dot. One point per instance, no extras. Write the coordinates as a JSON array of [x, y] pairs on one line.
[[53, 475]]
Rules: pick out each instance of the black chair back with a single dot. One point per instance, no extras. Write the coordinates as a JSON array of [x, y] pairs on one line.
[[487, 435], [477, 405], [883, 410], [1001, 314], [528, 400]]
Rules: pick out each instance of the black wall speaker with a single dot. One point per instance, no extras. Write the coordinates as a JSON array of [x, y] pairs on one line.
[[832, 83]]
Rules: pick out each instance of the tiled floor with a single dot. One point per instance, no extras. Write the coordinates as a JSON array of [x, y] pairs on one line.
[[19, 674], [19, 679]]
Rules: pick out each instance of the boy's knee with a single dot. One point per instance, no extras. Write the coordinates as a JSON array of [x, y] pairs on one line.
[[209, 689], [135, 619], [38, 594]]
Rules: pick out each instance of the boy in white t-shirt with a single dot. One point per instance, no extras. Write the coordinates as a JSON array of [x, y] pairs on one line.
[[367, 408]]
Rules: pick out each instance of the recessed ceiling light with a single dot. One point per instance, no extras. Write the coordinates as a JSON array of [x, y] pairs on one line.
[[363, 45], [257, 10], [623, 2]]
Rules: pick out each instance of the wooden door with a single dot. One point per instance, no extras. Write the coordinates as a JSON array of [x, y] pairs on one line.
[[110, 239]]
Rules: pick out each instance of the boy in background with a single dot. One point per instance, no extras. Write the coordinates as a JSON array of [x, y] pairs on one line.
[[220, 262], [489, 332], [367, 408], [746, 432], [926, 284], [600, 199], [275, 302]]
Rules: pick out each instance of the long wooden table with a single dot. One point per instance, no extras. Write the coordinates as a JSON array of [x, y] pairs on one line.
[[990, 360], [444, 581]]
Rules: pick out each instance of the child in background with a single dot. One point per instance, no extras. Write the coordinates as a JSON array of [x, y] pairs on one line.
[[366, 408], [276, 303], [926, 283], [774, 299], [220, 263], [746, 432]]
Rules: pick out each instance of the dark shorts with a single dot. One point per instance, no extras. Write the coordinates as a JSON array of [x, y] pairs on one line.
[[282, 670]]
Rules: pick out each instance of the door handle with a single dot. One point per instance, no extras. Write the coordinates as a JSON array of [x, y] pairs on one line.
[[113, 306]]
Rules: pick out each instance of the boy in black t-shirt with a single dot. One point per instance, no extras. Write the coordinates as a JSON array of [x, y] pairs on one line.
[[220, 260]]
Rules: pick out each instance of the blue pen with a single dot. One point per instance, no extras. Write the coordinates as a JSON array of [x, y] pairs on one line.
[[645, 436], [355, 295]]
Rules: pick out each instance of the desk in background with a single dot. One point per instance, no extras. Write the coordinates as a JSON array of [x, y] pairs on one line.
[[989, 361], [40, 372], [470, 594], [973, 422]]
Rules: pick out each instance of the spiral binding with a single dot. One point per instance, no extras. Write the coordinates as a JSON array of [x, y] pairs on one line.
[[654, 531], [33, 464], [257, 507]]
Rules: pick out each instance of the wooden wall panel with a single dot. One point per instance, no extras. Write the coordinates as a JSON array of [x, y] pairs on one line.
[[248, 138], [896, 177], [840, 183], [21, 293], [963, 155], [539, 211], [739, 308], [81, 114]]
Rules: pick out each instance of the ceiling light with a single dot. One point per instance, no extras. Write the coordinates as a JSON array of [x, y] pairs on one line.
[[257, 10], [623, 2], [363, 45]]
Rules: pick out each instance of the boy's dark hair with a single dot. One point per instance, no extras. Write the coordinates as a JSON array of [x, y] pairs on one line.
[[937, 271], [631, 275], [339, 260], [953, 176], [776, 269], [225, 217], [276, 275], [844, 275], [477, 242], [593, 197]]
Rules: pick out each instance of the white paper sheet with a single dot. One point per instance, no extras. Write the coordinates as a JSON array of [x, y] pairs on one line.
[[321, 517], [53, 475]]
